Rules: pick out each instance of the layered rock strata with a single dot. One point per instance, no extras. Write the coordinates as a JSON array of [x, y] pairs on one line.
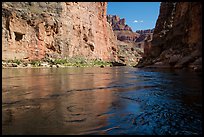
[[145, 31], [144, 40], [36, 30], [128, 52], [177, 38], [144, 35], [121, 29], [132, 46]]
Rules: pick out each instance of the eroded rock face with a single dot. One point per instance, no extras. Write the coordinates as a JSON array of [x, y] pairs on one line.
[[145, 31], [128, 51], [144, 40], [132, 46], [35, 30], [145, 35], [177, 38], [117, 23], [121, 29]]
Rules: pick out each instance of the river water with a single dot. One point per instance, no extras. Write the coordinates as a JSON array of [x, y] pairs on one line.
[[110, 101]]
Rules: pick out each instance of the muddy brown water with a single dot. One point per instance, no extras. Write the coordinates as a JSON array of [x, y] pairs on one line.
[[110, 100]]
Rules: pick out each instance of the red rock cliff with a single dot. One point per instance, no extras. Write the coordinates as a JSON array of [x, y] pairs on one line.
[[35, 30], [122, 30], [177, 37]]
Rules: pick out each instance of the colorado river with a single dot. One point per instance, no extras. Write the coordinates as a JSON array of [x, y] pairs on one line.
[[110, 100]]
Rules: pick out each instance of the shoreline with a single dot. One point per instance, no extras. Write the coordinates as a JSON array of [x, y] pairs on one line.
[[53, 67], [58, 63]]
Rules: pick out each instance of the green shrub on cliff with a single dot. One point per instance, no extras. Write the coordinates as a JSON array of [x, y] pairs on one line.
[[98, 62], [60, 61], [35, 63], [17, 61]]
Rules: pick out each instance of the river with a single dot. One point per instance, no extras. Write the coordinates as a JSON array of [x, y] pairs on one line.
[[109, 101]]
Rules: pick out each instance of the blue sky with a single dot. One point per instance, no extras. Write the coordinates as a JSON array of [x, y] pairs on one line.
[[138, 15]]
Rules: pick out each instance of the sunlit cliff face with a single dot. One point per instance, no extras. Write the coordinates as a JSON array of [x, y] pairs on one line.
[[34, 30]]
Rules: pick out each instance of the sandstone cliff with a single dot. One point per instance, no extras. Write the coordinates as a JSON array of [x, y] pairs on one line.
[[35, 30], [144, 40], [128, 51], [121, 29], [177, 38], [145, 31], [132, 46], [144, 35]]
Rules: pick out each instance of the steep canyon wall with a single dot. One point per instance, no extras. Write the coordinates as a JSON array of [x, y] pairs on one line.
[[35, 30], [177, 38]]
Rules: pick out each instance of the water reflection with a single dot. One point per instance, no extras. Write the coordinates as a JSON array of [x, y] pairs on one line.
[[118, 100]]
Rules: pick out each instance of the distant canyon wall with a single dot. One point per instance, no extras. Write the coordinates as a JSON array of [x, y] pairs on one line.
[[128, 52], [177, 37], [121, 29], [131, 45], [124, 33], [35, 30]]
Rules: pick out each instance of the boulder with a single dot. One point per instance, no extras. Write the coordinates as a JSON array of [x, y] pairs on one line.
[[174, 59]]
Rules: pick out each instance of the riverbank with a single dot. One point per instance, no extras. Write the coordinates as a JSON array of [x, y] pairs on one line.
[[159, 65], [58, 63]]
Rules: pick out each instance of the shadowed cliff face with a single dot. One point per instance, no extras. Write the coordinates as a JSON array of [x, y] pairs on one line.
[[177, 38], [35, 30]]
